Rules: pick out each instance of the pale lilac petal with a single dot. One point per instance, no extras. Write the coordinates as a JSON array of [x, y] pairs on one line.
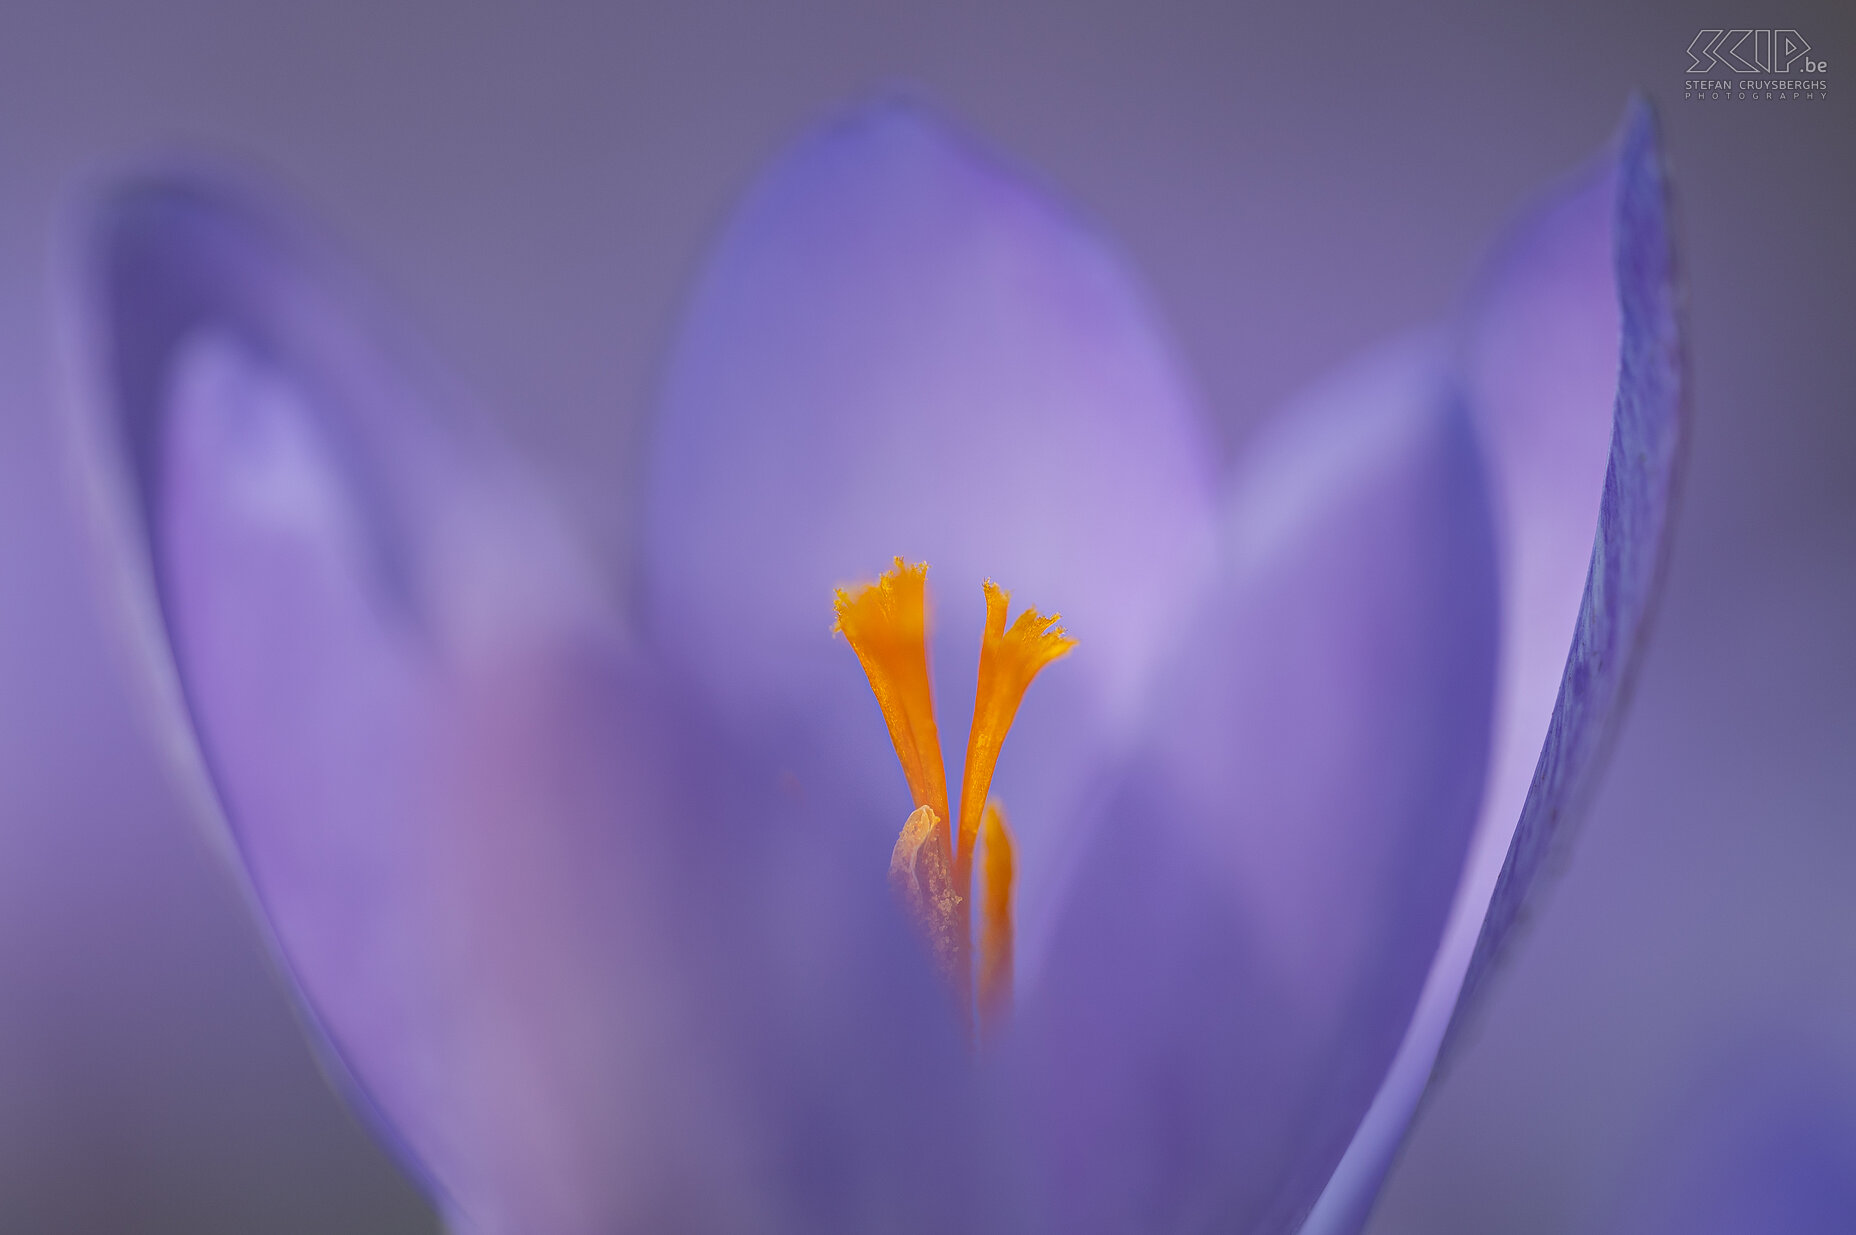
[[900, 348], [1572, 361], [1241, 951], [561, 960]]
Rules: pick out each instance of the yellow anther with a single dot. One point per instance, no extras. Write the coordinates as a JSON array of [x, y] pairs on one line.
[[922, 878]]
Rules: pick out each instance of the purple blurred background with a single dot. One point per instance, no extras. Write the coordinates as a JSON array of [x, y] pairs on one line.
[[536, 188]]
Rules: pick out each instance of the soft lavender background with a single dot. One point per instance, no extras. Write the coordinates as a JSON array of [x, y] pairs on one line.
[[536, 189]]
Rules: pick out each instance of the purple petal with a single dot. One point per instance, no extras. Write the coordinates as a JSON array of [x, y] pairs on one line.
[[1243, 948], [899, 348], [1573, 364], [574, 975], [1644, 442]]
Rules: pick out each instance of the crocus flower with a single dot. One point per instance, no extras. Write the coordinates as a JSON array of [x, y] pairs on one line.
[[591, 907]]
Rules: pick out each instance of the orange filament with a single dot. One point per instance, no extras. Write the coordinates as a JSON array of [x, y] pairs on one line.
[[886, 625], [996, 875], [1009, 658]]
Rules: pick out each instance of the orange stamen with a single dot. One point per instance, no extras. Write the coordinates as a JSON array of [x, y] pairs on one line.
[[997, 875], [886, 624], [1009, 659]]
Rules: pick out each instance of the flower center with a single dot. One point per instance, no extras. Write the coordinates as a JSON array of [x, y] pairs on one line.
[[886, 624]]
